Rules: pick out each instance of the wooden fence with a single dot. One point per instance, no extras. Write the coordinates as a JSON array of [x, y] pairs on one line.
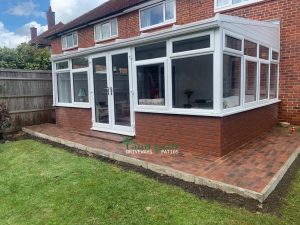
[[28, 95]]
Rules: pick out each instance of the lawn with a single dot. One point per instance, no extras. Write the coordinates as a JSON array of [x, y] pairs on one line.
[[41, 184]]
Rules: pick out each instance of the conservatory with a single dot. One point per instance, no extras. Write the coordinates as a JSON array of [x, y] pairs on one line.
[[208, 86]]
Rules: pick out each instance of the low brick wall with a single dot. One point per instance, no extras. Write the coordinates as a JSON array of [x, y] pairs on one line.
[[74, 118], [212, 136], [208, 135], [189, 132], [240, 128]]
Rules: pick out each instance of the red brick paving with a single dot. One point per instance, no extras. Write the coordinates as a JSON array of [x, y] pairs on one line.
[[252, 166]]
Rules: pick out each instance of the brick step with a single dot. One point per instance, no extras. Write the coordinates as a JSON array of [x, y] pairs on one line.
[[104, 136]]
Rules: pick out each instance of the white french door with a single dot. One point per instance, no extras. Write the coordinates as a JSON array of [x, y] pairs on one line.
[[112, 92]]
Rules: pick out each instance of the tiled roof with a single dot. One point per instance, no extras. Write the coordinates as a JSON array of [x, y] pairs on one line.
[[107, 9], [41, 39]]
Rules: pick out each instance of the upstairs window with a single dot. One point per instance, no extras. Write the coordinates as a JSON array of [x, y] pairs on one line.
[[106, 30], [225, 4], [159, 14], [70, 41]]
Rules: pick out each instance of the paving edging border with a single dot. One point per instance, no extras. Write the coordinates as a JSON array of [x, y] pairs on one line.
[[230, 189]]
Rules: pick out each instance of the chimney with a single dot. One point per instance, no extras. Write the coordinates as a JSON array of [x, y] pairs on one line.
[[33, 32], [50, 18]]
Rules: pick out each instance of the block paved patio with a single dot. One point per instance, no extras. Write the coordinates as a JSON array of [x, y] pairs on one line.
[[252, 171]]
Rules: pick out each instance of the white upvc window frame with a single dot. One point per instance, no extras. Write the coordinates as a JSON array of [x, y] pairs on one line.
[[265, 62], [277, 62], [165, 22], [110, 30], [64, 41], [168, 107], [232, 5], [160, 108], [258, 103], [231, 50], [70, 70], [188, 54]]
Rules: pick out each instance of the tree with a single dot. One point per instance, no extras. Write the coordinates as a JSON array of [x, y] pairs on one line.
[[5, 119], [25, 56]]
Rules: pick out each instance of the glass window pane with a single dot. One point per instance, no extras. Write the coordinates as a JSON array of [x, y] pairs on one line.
[[79, 63], [151, 84], [152, 16], [170, 13], [98, 33], [101, 90], [152, 51], [193, 82], [221, 3], [81, 90], [121, 89], [231, 81], [233, 43], [69, 41], [238, 1], [105, 31], [250, 48], [62, 65], [75, 39], [275, 55], [64, 88], [263, 52], [264, 75], [273, 81], [191, 44], [251, 80], [114, 27], [64, 42]]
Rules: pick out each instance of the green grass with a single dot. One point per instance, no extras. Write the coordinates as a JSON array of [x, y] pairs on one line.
[[41, 184]]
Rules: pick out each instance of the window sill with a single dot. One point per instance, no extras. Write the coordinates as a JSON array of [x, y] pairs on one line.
[[157, 26], [69, 49], [83, 106], [236, 6], [106, 40], [208, 112]]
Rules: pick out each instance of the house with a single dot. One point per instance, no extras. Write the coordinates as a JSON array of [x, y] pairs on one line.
[[40, 40], [203, 74]]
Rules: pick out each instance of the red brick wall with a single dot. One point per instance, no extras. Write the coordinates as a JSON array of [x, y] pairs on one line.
[[86, 37], [207, 135], [191, 133], [74, 118], [129, 25], [56, 46], [239, 128]]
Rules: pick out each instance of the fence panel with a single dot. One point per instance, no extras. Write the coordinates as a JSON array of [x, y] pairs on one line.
[[28, 95]]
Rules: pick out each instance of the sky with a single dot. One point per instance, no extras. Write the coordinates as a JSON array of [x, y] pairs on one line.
[[17, 16]]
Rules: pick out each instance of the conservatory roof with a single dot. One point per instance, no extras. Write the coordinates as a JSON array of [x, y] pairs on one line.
[[263, 32]]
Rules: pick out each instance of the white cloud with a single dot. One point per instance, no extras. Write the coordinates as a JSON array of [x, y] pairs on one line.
[[13, 39], [68, 10], [28, 8]]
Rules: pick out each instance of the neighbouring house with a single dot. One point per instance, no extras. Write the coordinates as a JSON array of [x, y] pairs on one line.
[[203, 74], [40, 40]]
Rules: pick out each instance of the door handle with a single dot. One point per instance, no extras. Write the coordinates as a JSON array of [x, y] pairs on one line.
[[111, 90], [107, 90]]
